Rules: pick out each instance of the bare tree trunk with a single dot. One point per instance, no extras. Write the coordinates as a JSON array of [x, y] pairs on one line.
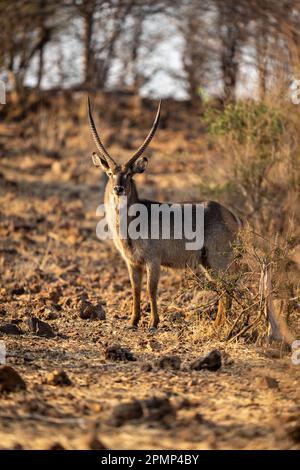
[[40, 71], [13, 85], [136, 40], [229, 24], [261, 44], [293, 41], [195, 54], [229, 64], [88, 20]]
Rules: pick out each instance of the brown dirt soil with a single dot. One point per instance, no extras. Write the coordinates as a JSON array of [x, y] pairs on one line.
[[51, 263]]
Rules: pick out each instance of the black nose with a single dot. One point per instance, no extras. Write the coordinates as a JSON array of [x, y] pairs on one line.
[[119, 190]]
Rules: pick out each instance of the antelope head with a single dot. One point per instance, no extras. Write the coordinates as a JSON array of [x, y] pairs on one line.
[[120, 175]]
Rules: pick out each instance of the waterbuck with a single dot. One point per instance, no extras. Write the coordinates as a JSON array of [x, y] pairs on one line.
[[220, 229]]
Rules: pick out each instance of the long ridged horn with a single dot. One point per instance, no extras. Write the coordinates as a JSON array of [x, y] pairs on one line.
[[148, 139], [97, 139]]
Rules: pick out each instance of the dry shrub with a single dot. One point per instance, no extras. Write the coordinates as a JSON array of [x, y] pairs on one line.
[[257, 261], [258, 146]]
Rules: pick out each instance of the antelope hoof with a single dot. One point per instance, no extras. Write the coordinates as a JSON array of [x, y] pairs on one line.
[[131, 327], [152, 330], [133, 323], [153, 323]]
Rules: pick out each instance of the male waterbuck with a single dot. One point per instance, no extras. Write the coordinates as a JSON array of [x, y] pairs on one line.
[[220, 228]]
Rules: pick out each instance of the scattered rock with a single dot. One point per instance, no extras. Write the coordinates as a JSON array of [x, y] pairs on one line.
[[117, 353], [156, 408], [176, 317], [272, 353], [17, 446], [56, 446], [11, 329], [192, 383], [294, 432], [146, 367], [88, 311], [58, 377], [40, 327], [181, 403], [67, 302], [127, 412], [154, 345], [95, 444], [17, 290], [226, 359], [10, 380], [169, 362], [16, 321], [199, 418], [250, 433], [267, 382], [50, 314], [54, 294], [212, 361]]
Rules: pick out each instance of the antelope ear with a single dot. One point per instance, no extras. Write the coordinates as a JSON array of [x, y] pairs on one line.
[[140, 165], [100, 161]]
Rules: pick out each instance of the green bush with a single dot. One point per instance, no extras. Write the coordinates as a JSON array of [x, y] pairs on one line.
[[247, 122], [255, 142]]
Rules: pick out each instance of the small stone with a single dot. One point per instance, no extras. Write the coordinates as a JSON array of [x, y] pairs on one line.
[[18, 290], [268, 382], [17, 446], [11, 329], [169, 362], [50, 314], [192, 383], [199, 418], [40, 327], [154, 345], [56, 446], [272, 353], [156, 408], [95, 444], [294, 432], [58, 377], [54, 294], [212, 362], [127, 412], [250, 433], [146, 367], [227, 360], [181, 403], [176, 317], [10, 380], [117, 353], [88, 311]]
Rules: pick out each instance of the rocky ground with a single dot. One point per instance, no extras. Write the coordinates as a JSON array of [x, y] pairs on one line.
[[77, 377]]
